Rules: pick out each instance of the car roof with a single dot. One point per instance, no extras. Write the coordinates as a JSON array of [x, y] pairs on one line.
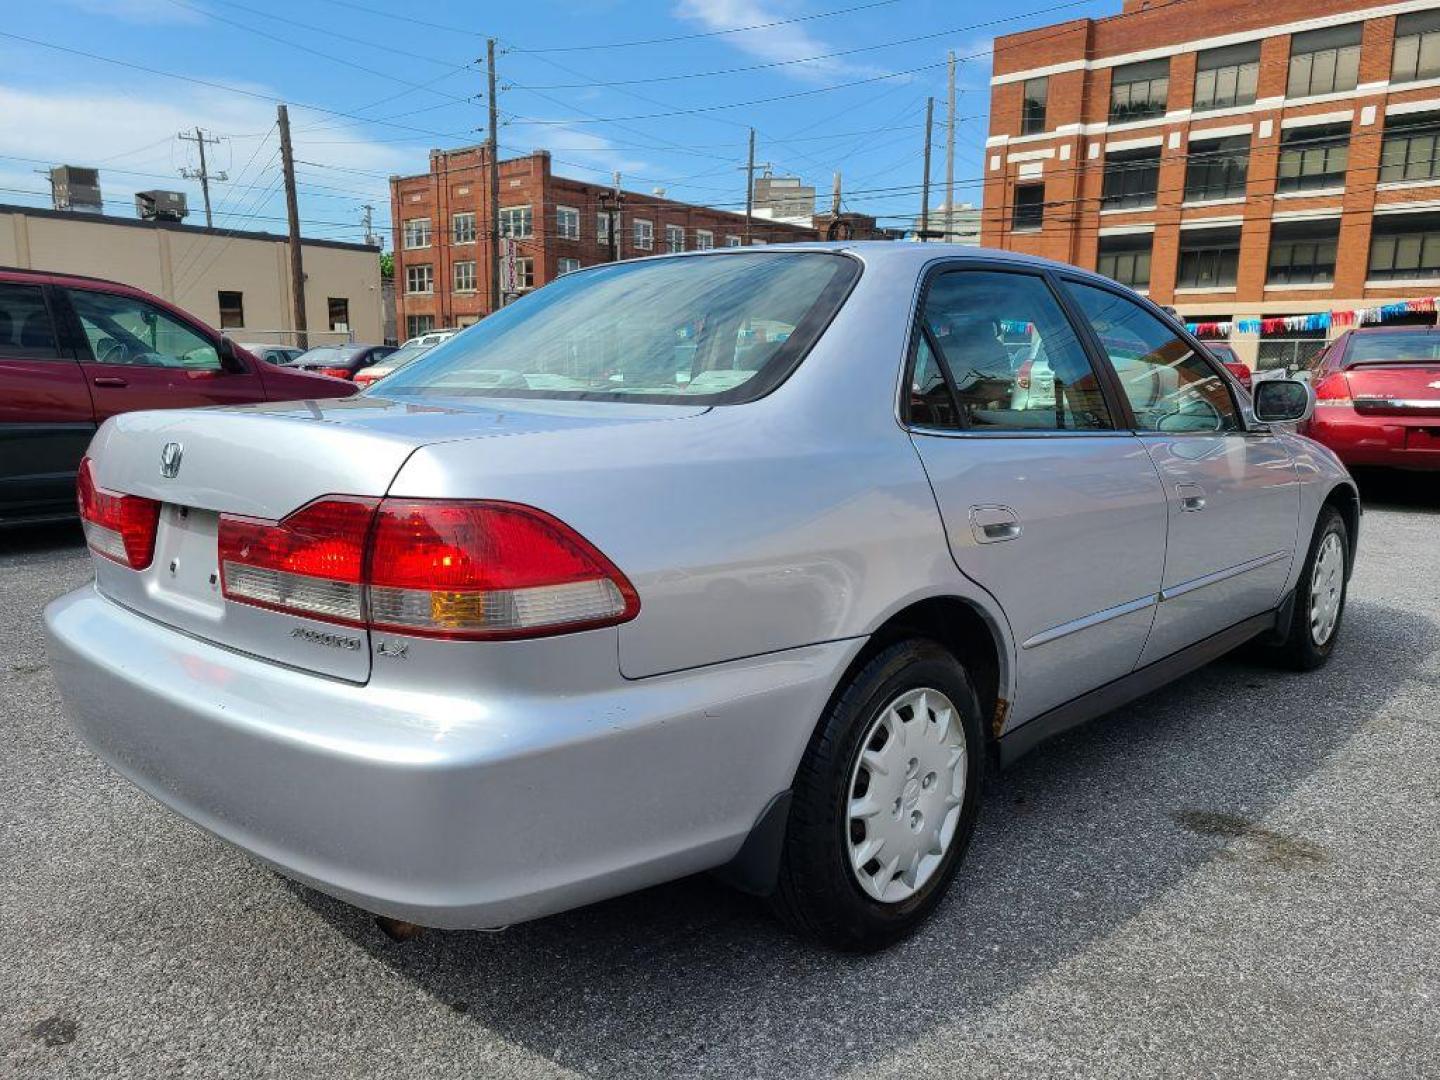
[[52, 277]]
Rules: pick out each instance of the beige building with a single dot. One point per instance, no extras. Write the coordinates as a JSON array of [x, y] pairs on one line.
[[236, 281]]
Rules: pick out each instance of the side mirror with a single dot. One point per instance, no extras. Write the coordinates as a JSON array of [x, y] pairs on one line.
[[1282, 401], [230, 357]]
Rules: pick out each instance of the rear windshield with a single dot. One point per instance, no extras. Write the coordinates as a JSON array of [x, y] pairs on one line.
[[327, 355], [704, 329], [1410, 348]]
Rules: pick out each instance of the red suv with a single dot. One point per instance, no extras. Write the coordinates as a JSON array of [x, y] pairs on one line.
[[76, 350]]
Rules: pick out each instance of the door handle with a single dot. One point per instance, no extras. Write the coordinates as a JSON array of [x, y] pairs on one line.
[[110, 380], [993, 524], [1191, 496]]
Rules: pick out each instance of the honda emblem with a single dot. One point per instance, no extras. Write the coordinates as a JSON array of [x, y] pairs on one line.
[[170, 460]]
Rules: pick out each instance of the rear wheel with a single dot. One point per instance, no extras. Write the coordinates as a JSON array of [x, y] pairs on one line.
[[885, 800], [1319, 595]]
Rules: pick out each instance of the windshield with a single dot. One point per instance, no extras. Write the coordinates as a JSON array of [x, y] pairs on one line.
[[402, 356], [702, 329], [1405, 348]]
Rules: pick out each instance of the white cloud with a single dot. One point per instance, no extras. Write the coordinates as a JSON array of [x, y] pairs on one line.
[[791, 41], [569, 148], [140, 11]]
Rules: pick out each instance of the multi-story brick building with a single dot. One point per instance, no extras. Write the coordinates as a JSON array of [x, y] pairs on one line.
[[442, 252], [1237, 160]]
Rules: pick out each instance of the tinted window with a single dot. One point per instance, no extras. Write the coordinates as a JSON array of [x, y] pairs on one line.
[[127, 330], [25, 329], [1012, 355], [931, 403], [1169, 387]]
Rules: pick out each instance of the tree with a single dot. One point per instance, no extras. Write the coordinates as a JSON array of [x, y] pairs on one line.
[[387, 265]]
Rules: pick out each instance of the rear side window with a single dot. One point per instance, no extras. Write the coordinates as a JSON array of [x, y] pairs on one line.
[[1011, 354], [25, 328], [1169, 386]]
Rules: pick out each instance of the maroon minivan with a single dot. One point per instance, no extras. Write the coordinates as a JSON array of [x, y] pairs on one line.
[[76, 350]]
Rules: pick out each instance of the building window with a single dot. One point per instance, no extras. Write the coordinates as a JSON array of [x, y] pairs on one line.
[[420, 279], [567, 223], [1303, 252], [732, 241], [1139, 91], [1216, 168], [1126, 259], [516, 221], [464, 276], [1313, 158], [1417, 47], [417, 232], [338, 309], [1405, 246], [1209, 258], [674, 238], [1411, 148], [462, 228], [1325, 61], [232, 310], [415, 325], [704, 240], [1029, 211], [524, 275], [1131, 178], [644, 235], [602, 227], [1032, 108], [569, 266], [1227, 77]]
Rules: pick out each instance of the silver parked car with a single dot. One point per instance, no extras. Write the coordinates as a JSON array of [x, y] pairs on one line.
[[740, 561]]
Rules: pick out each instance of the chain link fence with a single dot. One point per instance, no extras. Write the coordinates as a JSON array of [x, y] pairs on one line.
[[1286, 354]]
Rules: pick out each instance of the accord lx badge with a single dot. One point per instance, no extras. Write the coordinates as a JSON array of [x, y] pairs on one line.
[[335, 641], [170, 456]]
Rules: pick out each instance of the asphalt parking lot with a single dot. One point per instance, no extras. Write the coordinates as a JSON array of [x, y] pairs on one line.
[[1236, 876]]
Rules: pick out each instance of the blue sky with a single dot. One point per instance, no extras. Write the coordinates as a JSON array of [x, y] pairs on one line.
[[372, 85]]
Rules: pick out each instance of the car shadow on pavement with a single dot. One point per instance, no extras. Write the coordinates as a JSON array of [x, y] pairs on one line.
[[1074, 842], [59, 538], [1396, 489]]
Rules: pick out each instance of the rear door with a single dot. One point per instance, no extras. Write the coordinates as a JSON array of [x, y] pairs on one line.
[[1048, 503], [46, 418], [1233, 494], [140, 356]]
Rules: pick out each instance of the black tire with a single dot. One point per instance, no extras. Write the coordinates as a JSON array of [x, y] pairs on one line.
[[1299, 649], [817, 892]]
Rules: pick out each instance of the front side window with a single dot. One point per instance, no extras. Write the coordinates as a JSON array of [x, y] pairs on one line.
[[1417, 47], [126, 330], [516, 221], [1411, 148], [462, 228], [1217, 168], [420, 279], [1405, 246], [710, 329], [1227, 77], [465, 276], [1170, 388], [26, 332], [1032, 108], [232, 310], [1209, 258], [1029, 212], [674, 238], [1011, 355], [1132, 178], [1139, 91], [567, 223], [1325, 61], [1303, 252], [1126, 259], [417, 233], [1313, 158], [644, 235]]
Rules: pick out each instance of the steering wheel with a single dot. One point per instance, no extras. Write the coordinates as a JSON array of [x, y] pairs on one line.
[[1194, 414], [113, 352]]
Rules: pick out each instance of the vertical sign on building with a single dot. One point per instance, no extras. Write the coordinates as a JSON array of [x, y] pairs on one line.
[[509, 284]]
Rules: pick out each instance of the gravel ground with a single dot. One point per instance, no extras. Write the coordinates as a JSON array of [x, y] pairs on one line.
[[1237, 876]]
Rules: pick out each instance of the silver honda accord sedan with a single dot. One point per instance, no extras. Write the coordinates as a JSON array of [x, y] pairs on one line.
[[745, 561]]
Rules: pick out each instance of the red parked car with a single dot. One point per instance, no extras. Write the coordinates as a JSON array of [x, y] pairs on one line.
[[1233, 364], [1377, 397], [76, 350]]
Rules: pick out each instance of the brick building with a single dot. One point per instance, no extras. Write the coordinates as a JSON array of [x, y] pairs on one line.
[[1237, 160], [442, 263]]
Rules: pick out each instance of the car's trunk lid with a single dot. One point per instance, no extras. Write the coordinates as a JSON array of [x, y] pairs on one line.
[[1399, 389]]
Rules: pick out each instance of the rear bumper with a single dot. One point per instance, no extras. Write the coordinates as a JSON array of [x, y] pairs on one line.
[[440, 810], [1376, 440]]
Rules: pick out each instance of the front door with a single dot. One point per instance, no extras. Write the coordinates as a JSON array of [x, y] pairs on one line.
[[143, 357], [1233, 493], [1047, 502]]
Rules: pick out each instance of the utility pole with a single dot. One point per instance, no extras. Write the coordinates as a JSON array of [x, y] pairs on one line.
[[950, 146], [367, 221], [492, 152], [202, 174], [292, 210], [835, 196], [750, 190], [610, 202], [925, 187]]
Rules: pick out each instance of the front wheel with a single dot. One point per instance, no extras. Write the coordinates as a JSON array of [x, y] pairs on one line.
[[1319, 595], [885, 800]]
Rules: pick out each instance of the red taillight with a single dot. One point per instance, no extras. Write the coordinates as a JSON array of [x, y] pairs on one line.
[[118, 527], [439, 569], [1333, 387], [335, 372], [1023, 377]]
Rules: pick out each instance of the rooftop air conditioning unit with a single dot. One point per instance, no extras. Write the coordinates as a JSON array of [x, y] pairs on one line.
[[74, 188], [161, 205]]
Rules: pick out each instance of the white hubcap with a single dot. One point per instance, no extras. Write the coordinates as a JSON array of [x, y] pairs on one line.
[[1327, 588], [905, 794]]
